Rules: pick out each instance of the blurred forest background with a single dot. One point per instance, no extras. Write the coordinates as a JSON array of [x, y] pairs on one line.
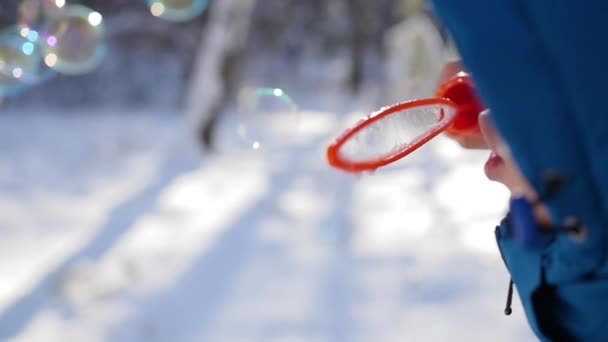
[[309, 44], [115, 227]]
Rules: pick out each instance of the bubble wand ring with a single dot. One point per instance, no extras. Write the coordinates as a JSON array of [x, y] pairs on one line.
[[396, 131], [336, 158]]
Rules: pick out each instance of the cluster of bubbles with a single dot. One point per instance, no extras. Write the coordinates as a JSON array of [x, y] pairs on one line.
[[50, 37], [267, 117]]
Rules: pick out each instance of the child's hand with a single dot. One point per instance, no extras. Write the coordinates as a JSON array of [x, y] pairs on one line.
[[470, 141]]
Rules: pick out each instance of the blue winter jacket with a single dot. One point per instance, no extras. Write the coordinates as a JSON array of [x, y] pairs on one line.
[[541, 66]]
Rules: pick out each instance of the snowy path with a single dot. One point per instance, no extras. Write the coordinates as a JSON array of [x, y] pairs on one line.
[[113, 231]]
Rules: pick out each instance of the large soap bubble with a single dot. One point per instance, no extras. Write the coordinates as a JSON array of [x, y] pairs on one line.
[[74, 41], [268, 118]]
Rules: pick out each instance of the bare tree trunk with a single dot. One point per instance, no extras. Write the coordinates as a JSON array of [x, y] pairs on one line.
[[215, 72], [357, 9]]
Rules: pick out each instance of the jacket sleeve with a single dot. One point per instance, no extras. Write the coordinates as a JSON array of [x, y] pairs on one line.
[[539, 67], [563, 311]]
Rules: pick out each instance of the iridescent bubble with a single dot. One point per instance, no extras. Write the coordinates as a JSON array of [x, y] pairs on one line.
[[267, 118], [21, 62], [177, 10], [15, 66], [74, 41]]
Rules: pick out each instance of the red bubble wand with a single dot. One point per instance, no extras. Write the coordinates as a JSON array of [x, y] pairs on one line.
[[393, 132]]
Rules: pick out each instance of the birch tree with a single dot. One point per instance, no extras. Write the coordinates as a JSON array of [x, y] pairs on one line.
[[215, 70]]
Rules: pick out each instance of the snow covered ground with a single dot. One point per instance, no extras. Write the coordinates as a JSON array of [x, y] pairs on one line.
[[114, 228]]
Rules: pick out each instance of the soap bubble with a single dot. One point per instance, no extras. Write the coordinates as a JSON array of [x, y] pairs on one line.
[[177, 10], [73, 42], [268, 118], [21, 62]]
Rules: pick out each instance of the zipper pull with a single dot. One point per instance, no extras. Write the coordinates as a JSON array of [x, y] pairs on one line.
[[509, 298]]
